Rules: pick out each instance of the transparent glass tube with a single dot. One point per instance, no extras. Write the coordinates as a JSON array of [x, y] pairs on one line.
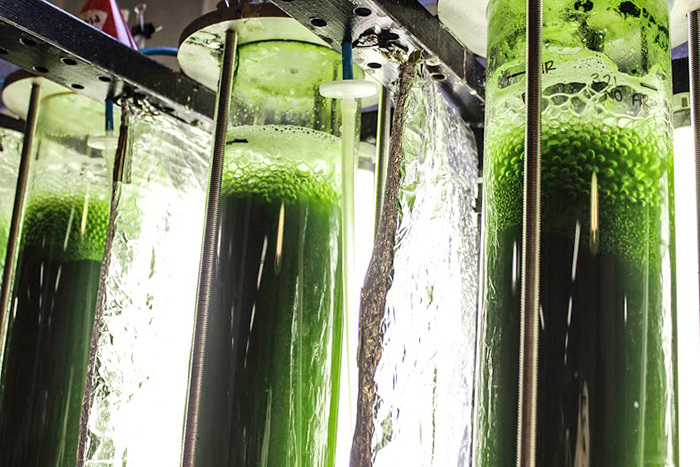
[[63, 240], [274, 345], [607, 360]]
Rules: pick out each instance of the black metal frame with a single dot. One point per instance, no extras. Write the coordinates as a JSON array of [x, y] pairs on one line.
[[11, 123], [47, 41]]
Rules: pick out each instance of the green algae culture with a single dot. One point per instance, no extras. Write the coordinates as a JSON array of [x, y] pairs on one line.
[[274, 342], [607, 363], [54, 295]]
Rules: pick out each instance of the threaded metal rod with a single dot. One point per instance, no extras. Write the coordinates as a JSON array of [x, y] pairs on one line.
[[694, 61], [529, 314], [383, 140], [17, 211], [208, 258]]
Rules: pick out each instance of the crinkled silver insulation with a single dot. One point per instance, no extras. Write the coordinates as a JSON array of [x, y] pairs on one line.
[[425, 376], [140, 387], [10, 149]]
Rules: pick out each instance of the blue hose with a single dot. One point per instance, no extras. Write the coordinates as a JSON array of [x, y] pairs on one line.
[[109, 115], [168, 51], [347, 60]]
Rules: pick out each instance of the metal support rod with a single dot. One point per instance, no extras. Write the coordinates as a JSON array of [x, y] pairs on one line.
[[207, 264], [529, 314], [383, 143], [694, 61], [17, 212]]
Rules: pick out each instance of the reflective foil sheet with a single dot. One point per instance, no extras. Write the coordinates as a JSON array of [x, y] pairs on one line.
[[10, 148], [140, 385], [425, 376]]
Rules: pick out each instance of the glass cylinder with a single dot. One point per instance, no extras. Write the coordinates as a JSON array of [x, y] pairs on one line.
[[55, 287], [607, 360], [274, 342]]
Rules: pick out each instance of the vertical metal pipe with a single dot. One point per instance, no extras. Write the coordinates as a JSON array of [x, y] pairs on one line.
[[17, 211], [383, 142], [694, 60], [207, 263], [529, 314]]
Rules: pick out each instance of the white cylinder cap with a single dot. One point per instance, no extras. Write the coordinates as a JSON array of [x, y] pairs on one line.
[[349, 89], [107, 142], [679, 20]]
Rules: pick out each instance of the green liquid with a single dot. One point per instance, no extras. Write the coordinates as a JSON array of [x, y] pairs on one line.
[[606, 389], [273, 345], [49, 335]]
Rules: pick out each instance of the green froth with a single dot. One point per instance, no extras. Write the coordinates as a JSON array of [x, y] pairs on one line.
[[279, 182], [67, 226], [629, 164], [276, 162]]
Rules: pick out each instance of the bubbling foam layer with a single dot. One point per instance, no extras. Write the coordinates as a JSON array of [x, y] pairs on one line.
[[625, 168], [282, 162], [579, 83], [66, 226]]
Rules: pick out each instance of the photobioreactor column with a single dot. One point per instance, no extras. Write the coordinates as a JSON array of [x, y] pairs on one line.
[[271, 363], [607, 360], [63, 241]]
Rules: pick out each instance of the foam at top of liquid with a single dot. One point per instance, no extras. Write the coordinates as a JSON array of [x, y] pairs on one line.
[[592, 78], [67, 226], [282, 162], [627, 166]]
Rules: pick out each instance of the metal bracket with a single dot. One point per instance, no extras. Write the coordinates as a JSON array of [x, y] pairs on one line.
[[11, 123], [47, 41], [384, 32]]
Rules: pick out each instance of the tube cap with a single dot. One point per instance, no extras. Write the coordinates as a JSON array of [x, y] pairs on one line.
[[349, 89]]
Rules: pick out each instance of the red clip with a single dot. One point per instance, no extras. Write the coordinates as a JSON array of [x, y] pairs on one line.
[[106, 16]]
